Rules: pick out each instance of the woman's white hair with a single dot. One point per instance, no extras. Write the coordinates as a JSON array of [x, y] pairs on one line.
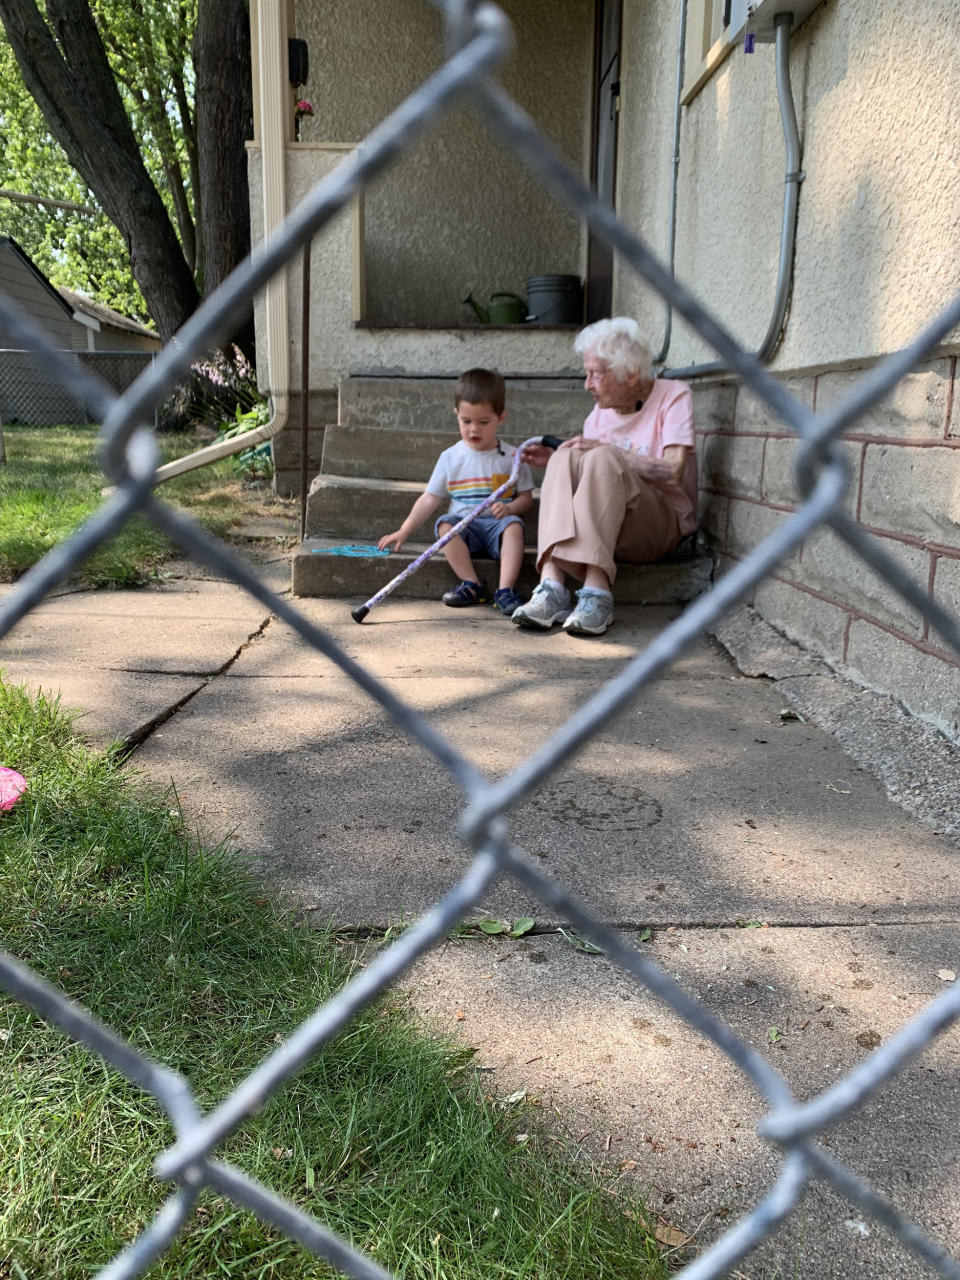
[[620, 344]]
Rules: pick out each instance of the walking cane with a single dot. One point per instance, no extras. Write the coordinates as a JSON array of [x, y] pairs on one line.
[[358, 614]]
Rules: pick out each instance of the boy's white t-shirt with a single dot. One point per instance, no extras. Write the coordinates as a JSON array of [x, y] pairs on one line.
[[468, 476]]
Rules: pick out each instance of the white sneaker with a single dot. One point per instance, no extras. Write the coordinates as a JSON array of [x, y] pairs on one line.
[[549, 603], [593, 614]]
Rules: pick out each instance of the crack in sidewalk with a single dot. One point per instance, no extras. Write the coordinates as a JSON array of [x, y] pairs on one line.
[[472, 932], [137, 737]]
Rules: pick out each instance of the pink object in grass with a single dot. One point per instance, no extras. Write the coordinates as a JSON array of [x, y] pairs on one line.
[[12, 787]]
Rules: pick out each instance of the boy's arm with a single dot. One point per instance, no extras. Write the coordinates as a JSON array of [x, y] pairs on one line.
[[424, 506], [521, 503], [516, 507]]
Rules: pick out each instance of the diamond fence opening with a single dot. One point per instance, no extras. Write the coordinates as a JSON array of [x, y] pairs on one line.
[[478, 40]]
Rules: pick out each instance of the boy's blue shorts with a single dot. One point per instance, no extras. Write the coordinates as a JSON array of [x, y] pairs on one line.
[[481, 535]]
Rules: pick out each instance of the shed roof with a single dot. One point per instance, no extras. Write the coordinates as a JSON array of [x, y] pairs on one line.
[[104, 315]]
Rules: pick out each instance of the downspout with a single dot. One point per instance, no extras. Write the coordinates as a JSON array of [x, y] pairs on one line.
[[273, 96], [661, 356], [788, 234]]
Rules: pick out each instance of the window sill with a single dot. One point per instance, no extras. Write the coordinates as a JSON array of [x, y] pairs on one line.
[[716, 56]]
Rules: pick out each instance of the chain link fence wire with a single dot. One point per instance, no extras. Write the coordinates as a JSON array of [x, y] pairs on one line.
[[478, 39]]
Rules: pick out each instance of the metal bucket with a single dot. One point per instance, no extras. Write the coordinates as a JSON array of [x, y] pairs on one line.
[[555, 300]]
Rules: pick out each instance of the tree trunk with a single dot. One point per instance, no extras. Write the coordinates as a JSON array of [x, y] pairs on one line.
[[224, 120], [221, 59], [75, 89]]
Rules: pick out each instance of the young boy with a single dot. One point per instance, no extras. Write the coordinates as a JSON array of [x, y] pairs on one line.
[[467, 473]]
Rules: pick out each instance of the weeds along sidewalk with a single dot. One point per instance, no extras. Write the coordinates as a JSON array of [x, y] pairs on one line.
[[52, 482], [386, 1135]]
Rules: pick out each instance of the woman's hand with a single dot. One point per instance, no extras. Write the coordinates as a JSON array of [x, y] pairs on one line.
[[392, 541], [536, 455], [581, 442]]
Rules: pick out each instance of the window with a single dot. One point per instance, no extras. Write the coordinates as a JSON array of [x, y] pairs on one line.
[[707, 45]]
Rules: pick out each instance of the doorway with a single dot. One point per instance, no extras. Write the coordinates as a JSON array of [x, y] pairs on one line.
[[603, 149]]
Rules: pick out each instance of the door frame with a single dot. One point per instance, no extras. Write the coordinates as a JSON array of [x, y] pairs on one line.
[[604, 128]]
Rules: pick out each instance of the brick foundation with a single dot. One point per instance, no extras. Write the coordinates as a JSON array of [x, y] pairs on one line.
[[905, 461]]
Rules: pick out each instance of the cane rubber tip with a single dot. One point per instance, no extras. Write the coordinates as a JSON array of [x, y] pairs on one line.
[[359, 613]]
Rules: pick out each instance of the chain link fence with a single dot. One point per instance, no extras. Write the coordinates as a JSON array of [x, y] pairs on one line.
[[214, 389], [478, 39], [32, 393]]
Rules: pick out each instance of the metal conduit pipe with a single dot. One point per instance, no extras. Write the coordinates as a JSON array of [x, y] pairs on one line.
[[271, 31], [661, 356], [791, 195]]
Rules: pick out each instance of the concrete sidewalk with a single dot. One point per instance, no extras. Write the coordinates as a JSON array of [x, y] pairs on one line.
[[779, 882]]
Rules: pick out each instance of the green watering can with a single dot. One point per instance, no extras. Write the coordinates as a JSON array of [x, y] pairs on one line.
[[503, 308]]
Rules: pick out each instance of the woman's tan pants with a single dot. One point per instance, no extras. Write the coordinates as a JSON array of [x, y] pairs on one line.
[[594, 506]]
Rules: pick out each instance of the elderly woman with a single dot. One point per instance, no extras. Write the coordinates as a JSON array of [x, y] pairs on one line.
[[626, 489]]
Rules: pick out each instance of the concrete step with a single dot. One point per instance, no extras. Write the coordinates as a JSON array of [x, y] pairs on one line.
[[360, 508], [534, 405], [378, 454], [402, 454], [319, 571]]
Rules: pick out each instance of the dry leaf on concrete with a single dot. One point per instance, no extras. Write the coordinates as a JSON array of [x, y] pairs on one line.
[[672, 1237]]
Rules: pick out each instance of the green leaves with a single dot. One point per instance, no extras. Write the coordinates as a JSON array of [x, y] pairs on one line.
[[579, 941], [522, 926], [515, 930]]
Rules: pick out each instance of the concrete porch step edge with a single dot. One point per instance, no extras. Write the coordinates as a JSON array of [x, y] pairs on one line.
[[318, 570]]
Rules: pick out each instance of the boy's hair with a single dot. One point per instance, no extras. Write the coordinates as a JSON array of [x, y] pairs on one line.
[[481, 386]]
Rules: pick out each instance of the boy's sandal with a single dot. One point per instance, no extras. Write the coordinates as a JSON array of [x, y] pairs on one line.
[[506, 600], [466, 593]]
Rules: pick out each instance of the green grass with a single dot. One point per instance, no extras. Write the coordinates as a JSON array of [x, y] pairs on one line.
[[386, 1135], [52, 483]]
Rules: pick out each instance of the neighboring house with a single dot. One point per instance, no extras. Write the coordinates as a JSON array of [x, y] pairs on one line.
[[112, 345], [876, 253], [106, 329], [27, 286]]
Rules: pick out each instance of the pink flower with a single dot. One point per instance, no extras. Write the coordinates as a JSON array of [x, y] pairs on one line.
[[12, 786], [304, 107]]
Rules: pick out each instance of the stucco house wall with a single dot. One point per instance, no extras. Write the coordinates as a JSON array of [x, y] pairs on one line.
[[338, 346], [877, 254], [457, 213], [879, 218]]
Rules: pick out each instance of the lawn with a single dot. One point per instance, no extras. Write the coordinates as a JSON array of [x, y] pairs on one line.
[[52, 482], [386, 1135]]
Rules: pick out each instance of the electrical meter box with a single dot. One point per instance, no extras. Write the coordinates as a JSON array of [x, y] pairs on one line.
[[755, 17]]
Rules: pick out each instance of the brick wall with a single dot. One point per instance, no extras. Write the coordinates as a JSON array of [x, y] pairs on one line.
[[905, 461]]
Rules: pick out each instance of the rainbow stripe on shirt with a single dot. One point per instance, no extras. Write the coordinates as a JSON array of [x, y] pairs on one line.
[[472, 490]]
